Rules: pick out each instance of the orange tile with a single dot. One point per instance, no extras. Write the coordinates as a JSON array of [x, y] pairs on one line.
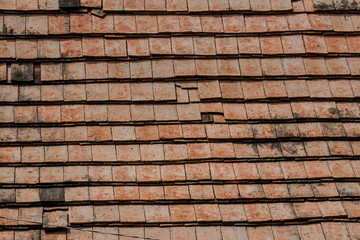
[[222, 150], [95, 113], [317, 169], [160, 45], [190, 23], [103, 25], [113, 5], [157, 213], [208, 233], [103, 193], [168, 23], [337, 66], [228, 191], [138, 47], [243, 150], [281, 211], [342, 23], [182, 213], [300, 190], [276, 191], [148, 173], [75, 70], [80, 214], [140, 69], [80, 23], [74, 173], [132, 213], [199, 150], [176, 5], [27, 175], [26, 93], [126, 193], [56, 153], [173, 173], [152, 152], [270, 170], [311, 230], [263, 131], [52, 134], [79, 153], [226, 45], [233, 23], [198, 5], [99, 133], [163, 68], [115, 47], [199, 171], [124, 173], [271, 45], [287, 130], [299, 22], [25, 114], [134, 5], [207, 212], [257, 212], [151, 193], [176, 192], [306, 209], [105, 153], [293, 44], [272, 66], [124, 23], [280, 111]]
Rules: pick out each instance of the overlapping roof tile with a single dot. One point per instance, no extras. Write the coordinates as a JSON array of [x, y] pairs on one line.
[[179, 119]]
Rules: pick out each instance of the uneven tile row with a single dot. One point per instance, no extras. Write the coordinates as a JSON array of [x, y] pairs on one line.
[[136, 113], [203, 46], [174, 213], [220, 213], [209, 212], [189, 193], [324, 230], [151, 133], [185, 91], [180, 119], [156, 5], [86, 23], [245, 67], [159, 69], [189, 151], [215, 171]]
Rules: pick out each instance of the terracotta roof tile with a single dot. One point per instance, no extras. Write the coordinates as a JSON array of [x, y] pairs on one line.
[[300, 190], [181, 213], [182, 119]]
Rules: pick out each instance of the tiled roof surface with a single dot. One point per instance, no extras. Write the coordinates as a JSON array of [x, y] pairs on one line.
[[180, 119]]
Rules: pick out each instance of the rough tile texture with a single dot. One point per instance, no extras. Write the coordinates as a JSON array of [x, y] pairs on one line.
[[180, 119]]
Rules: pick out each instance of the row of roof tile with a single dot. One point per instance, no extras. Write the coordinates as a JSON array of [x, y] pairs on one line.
[[80, 23], [240, 213], [190, 151], [170, 193], [171, 91], [325, 230], [151, 133], [156, 5], [216, 171], [245, 67], [209, 46], [182, 112]]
